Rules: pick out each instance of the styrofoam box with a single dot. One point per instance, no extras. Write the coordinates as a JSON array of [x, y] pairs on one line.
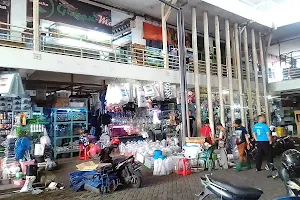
[[140, 158], [191, 151]]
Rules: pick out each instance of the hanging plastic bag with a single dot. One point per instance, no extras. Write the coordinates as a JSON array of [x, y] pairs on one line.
[[124, 98], [167, 90], [141, 99], [129, 90], [149, 90], [108, 97], [45, 140], [156, 89], [39, 149]]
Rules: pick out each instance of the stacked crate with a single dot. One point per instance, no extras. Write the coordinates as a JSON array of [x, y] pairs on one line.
[[138, 54]]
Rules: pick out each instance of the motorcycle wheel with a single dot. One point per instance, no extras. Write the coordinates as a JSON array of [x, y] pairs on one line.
[[136, 181], [112, 187]]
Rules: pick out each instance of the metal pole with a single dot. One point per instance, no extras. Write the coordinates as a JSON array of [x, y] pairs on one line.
[[182, 68], [181, 53], [196, 68], [219, 65], [240, 75], [254, 62], [36, 25], [185, 77], [229, 68], [208, 74], [249, 88], [264, 78]]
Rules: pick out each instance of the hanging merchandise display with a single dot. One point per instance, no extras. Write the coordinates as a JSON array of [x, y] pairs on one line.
[[141, 98]]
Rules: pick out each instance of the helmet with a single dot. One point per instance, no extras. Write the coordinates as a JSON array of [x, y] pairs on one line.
[[115, 141], [291, 161]]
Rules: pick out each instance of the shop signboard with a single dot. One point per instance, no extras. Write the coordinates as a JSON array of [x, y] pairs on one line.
[[11, 84], [75, 13]]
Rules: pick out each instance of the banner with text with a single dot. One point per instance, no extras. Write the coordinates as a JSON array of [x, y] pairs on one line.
[[74, 12]]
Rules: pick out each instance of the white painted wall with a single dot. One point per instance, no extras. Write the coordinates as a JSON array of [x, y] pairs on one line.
[[286, 47], [66, 64], [285, 85], [137, 31], [18, 18]]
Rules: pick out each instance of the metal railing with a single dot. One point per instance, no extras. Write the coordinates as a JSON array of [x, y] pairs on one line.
[[291, 73], [57, 43]]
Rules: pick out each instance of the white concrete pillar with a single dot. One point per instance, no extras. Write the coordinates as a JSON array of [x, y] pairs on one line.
[[249, 88], [137, 31], [208, 74], [219, 65], [196, 68], [254, 62], [18, 19], [264, 78], [240, 75], [36, 25], [164, 36], [229, 68]]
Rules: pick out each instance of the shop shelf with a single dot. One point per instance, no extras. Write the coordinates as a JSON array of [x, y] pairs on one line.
[[68, 151], [69, 114]]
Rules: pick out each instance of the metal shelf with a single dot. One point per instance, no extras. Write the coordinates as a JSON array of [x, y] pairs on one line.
[[69, 151], [69, 134]]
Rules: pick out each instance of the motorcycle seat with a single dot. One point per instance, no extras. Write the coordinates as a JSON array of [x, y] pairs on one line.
[[239, 192], [118, 160]]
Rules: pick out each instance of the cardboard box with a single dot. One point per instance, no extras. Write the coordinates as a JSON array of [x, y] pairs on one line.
[[87, 166], [91, 165], [140, 158], [61, 103]]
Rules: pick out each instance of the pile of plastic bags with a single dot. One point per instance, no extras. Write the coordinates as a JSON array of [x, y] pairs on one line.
[[164, 166], [147, 148]]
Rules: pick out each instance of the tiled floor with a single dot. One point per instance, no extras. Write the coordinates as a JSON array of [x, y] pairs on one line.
[[173, 187]]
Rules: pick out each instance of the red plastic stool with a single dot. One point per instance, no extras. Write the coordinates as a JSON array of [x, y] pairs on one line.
[[83, 152], [184, 167]]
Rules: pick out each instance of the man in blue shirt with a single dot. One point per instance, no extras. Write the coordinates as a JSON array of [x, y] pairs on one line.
[[261, 134]]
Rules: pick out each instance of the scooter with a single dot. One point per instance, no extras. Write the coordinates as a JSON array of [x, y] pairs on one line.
[[292, 184], [127, 170], [226, 191], [280, 145]]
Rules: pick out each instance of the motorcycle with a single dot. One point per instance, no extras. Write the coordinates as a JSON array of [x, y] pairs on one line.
[[127, 170], [291, 183], [280, 144], [226, 191]]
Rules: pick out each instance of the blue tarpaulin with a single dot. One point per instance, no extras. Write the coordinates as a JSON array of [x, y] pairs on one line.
[[98, 179]]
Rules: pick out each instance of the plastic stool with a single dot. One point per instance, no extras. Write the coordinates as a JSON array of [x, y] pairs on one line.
[[184, 167], [83, 153]]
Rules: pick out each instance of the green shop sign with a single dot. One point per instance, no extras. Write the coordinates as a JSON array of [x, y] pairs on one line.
[[75, 13]]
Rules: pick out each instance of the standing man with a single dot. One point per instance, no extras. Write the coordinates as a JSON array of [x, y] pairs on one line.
[[261, 134], [192, 124], [242, 142]]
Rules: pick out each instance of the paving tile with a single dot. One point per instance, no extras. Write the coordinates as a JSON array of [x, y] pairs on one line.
[[172, 187]]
